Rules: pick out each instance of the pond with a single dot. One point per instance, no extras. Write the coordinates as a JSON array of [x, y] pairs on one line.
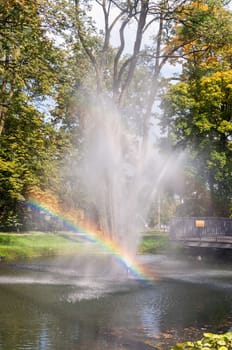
[[48, 305]]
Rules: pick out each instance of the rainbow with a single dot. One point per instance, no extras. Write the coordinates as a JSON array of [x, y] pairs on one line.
[[136, 270]]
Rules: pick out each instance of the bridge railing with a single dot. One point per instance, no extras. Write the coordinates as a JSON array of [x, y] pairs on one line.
[[204, 227]]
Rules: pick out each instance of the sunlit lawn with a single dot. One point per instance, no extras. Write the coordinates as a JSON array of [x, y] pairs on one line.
[[154, 242], [31, 244]]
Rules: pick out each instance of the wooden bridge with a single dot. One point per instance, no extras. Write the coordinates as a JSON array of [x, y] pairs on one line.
[[205, 232]]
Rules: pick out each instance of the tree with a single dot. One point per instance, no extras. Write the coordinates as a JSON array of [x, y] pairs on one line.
[[197, 110], [116, 69], [30, 144], [28, 60]]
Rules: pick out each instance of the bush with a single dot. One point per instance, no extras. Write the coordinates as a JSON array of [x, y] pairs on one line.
[[208, 342]]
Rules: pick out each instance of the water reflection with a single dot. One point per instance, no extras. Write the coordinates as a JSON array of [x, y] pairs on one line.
[[42, 311]]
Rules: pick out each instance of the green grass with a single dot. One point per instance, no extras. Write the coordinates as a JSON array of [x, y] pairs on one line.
[[154, 242], [29, 245], [15, 246]]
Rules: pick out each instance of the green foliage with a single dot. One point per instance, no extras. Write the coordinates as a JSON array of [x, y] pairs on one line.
[[203, 28], [28, 59], [198, 110], [209, 341], [31, 145], [29, 154]]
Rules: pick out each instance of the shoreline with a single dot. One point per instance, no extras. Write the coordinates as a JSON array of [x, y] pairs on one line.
[[32, 244]]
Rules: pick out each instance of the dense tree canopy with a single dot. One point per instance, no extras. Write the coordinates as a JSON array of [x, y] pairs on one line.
[[198, 109], [29, 67]]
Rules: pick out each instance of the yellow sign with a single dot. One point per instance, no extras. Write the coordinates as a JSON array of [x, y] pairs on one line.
[[200, 223]]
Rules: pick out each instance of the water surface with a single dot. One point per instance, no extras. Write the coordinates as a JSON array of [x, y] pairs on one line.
[[51, 305]]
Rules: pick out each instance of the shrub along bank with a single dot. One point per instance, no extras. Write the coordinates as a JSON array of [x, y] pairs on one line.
[[208, 342]]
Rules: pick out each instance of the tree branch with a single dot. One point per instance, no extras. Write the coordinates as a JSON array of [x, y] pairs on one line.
[[137, 45]]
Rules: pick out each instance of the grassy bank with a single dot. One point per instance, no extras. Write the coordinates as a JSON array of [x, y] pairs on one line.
[[28, 245], [154, 242], [31, 244]]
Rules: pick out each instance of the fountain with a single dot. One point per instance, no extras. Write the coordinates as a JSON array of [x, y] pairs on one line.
[[115, 174], [120, 174]]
